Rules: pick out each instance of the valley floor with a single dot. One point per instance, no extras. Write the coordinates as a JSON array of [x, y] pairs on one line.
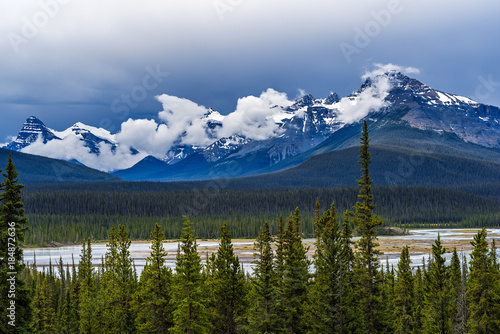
[[419, 241]]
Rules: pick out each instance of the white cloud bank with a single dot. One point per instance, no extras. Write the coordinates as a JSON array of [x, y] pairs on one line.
[[72, 148], [253, 117], [179, 118], [357, 106]]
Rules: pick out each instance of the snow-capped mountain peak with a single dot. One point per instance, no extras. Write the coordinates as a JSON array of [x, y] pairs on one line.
[[82, 130], [32, 129]]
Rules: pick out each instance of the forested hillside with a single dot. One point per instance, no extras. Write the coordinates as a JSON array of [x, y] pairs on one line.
[[72, 215]]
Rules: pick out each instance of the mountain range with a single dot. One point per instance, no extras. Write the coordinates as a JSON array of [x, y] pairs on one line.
[[419, 134]]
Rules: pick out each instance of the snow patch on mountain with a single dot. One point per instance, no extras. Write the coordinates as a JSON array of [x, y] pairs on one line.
[[70, 148], [255, 117], [79, 128]]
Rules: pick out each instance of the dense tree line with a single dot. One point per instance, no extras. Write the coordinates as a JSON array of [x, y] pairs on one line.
[[72, 216], [403, 204]]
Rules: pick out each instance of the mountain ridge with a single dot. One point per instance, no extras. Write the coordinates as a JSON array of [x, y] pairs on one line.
[[402, 111]]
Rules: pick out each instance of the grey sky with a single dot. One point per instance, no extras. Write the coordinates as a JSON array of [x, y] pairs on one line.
[[69, 60]]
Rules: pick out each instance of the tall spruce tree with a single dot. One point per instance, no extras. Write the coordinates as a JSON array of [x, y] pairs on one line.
[[262, 315], [352, 320], [456, 292], [229, 287], [89, 305], [191, 314], [437, 293], [418, 294], [118, 284], [366, 223], [152, 300], [326, 297], [462, 315], [44, 317], [295, 276], [15, 297], [403, 294], [483, 290]]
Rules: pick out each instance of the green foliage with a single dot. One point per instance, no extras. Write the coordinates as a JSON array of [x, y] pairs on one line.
[[331, 299], [12, 228], [73, 215], [262, 314], [118, 284], [293, 294], [366, 223], [404, 294], [89, 315], [437, 293], [228, 299], [483, 290], [152, 300], [191, 313]]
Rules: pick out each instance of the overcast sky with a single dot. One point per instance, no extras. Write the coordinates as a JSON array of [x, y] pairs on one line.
[[102, 62]]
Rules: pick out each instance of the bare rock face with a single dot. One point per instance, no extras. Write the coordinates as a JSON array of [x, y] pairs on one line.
[[32, 129], [429, 109]]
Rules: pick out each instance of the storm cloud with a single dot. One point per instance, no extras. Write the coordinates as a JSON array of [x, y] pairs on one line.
[[66, 61]]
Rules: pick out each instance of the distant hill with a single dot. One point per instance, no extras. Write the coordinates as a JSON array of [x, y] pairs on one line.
[[391, 166], [37, 169]]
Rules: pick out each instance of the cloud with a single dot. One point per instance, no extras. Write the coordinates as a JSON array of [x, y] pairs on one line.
[[72, 148], [300, 93], [384, 68], [180, 119], [185, 116], [253, 117], [357, 106]]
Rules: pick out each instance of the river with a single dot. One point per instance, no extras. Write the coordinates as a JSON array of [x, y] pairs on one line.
[[140, 250]]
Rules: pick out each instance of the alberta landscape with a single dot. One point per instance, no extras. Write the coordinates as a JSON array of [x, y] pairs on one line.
[[215, 182]]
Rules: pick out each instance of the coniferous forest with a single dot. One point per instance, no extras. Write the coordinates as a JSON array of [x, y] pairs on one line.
[[343, 289]]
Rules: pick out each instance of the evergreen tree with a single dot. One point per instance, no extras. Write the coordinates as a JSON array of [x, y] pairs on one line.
[[280, 250], [262, 296], [89, 308], [366, 223], [118, 284], [229, 286], [404, 290], [191, 314], [15, 297], [295, 276], [69, 318], [43, 314], [418, 293], [437, 293], [44, 317], [386, 316], [493, 256], [462, 314], [483, 290], [152, 300], [352, 320], [327, 296], [456, 290]]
